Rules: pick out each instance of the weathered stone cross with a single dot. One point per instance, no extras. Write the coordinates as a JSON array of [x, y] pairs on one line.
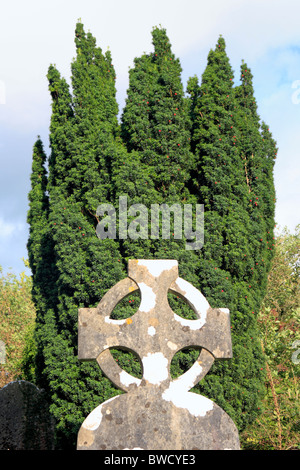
[[157, 412]]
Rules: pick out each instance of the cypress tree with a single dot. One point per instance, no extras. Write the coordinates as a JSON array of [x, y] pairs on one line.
[[258, 151], [226, 260], [155, 128], [38, 204], [155, 120], [82, 137], [40, 252]]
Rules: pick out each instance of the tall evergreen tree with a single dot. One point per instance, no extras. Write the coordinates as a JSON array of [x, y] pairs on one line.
[[258, 151], [227, 264], [155, 120], [38, 204], [40, 250], [155, 127], [82, 138]]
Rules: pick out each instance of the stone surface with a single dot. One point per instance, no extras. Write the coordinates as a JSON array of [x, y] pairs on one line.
[[25, 422], [156, 413]]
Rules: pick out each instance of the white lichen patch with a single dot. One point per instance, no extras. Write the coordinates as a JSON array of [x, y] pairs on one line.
[[224, 310], [177, 393], [172, 346], [107, 319], [192, 324], [127, 379], [194, 297], [156, 267], [190, 378], [151, 331], [148, 297], [155, 367], [93, 420]]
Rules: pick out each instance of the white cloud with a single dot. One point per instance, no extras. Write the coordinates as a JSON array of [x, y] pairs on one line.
[[7, 229], [13, 239]]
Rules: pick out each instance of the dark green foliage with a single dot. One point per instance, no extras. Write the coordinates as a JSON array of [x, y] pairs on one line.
[[155, 121], [258, 152], [155, 128], [183, 361], [38, 202], [230, 153], [82, 137], [128, 361]]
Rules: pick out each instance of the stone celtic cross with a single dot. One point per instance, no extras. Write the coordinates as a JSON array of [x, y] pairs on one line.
[[156, 412]]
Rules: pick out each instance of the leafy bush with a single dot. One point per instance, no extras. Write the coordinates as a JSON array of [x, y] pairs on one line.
[[17, 321], [278, 426]]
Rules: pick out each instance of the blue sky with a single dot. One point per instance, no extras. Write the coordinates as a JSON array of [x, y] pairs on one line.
[[34, 34]]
